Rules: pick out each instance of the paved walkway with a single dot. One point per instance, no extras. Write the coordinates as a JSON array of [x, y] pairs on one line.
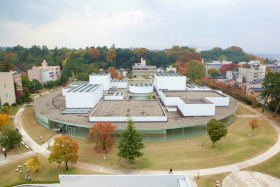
[[191, 173], [249, 178]]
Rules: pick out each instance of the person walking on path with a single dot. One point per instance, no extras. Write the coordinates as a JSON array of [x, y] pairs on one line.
[[5, 154], [170, 171]]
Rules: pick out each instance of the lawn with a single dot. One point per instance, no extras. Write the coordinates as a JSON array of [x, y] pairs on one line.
[[33, 129], [269, 167], [51, 172], [14, 109], [210, 180], [242, 110], [269, 114], [188, 154], [17, 149]]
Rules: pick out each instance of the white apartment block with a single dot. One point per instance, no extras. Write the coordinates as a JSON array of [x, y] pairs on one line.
[[251, 74], [44, 73], [7, 88]]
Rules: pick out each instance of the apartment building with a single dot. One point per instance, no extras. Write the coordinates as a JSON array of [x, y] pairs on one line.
[[141, 69], [255, 72], [44, 73], [17, 84], [7, 89]]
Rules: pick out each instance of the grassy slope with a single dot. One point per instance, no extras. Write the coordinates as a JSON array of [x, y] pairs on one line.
[[33, 129], [188, 154]]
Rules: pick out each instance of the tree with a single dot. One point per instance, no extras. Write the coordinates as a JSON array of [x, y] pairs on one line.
[[227, 67], [191, 70], [253, 124], [10, 138], [102, 134], [199, 72], [130, 76], [6, 66], [213, 72], [4, 119], [114, 73], [94, 53], [111, 55], [216, 130], [37, 84], [34, 163], [6, 110], [131, 143], [268, 86], [25, 81], [63, 79], [141, 53], [64, 150], [120, 77]]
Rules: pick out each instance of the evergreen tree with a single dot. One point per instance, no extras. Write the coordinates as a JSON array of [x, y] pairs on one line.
[[10, 138], [130, 145], [191, 70], [199, 71]]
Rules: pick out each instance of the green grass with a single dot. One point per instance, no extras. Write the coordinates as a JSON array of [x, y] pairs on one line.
[[33, 129], [51, 172], [210, 180], [188, 154], [242, 110], [269, 167], [17, 149], [14, 109]]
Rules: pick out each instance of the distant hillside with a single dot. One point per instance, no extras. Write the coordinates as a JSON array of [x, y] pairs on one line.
[[3, 48]]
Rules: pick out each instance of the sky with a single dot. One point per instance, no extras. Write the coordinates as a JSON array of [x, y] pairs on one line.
[[253, 25]]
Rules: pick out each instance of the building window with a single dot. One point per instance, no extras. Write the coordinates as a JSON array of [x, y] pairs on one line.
[[4, 85], [6, 95]]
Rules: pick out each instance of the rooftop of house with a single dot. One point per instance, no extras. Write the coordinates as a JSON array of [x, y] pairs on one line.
[[126, 108], [84, 88], [257, 89], [199, 94]]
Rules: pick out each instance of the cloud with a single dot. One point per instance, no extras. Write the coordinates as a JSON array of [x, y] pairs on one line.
[[75, 29]]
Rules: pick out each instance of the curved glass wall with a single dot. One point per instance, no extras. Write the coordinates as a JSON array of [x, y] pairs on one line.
[[149, 135]]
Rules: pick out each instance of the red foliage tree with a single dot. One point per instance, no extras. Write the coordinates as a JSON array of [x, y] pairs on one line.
[[102, 134], [227, 67], [217, 48], [236, 48], [114, 73], [94, 53], [120, 77], [253, 57]]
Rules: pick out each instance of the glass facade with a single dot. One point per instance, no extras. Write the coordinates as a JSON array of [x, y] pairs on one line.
[[149, 135]]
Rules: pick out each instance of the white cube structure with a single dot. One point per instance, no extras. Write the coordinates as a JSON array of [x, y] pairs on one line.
[[141, 88], [196, 107], [170, 82], [119, 84], [104, 79], [84, 96]]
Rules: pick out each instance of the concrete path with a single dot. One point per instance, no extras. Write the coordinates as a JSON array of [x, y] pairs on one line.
[[191, 173], [249, 179]]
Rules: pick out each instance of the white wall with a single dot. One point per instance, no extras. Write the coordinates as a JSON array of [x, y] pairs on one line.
[[170, 83], [219, 101], [46, 75], [101, 79], [124, 180], [119, 84], [124, 119], [135, 89], [64, 90], [83, 99], [114, 97], [196, 109]]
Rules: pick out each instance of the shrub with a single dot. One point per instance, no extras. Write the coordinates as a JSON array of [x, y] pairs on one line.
[[14, 104]]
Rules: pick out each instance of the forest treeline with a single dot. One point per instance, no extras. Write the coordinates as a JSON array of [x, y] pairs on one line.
[[91, 59]]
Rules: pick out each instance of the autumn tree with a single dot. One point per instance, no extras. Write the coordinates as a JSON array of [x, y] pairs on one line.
[[227, 67], [141, 53], [217, 48], [6, 66], [174, 52], [10, 138], [253, 124], [111, 55], [114, 73], [253, 57], [236, 48], [34, 163], [4, 119], [216, 130], [131, 143], [120, 77], [213, 72], [94, 53], [64, 150], [102, 134], [6, 110]]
